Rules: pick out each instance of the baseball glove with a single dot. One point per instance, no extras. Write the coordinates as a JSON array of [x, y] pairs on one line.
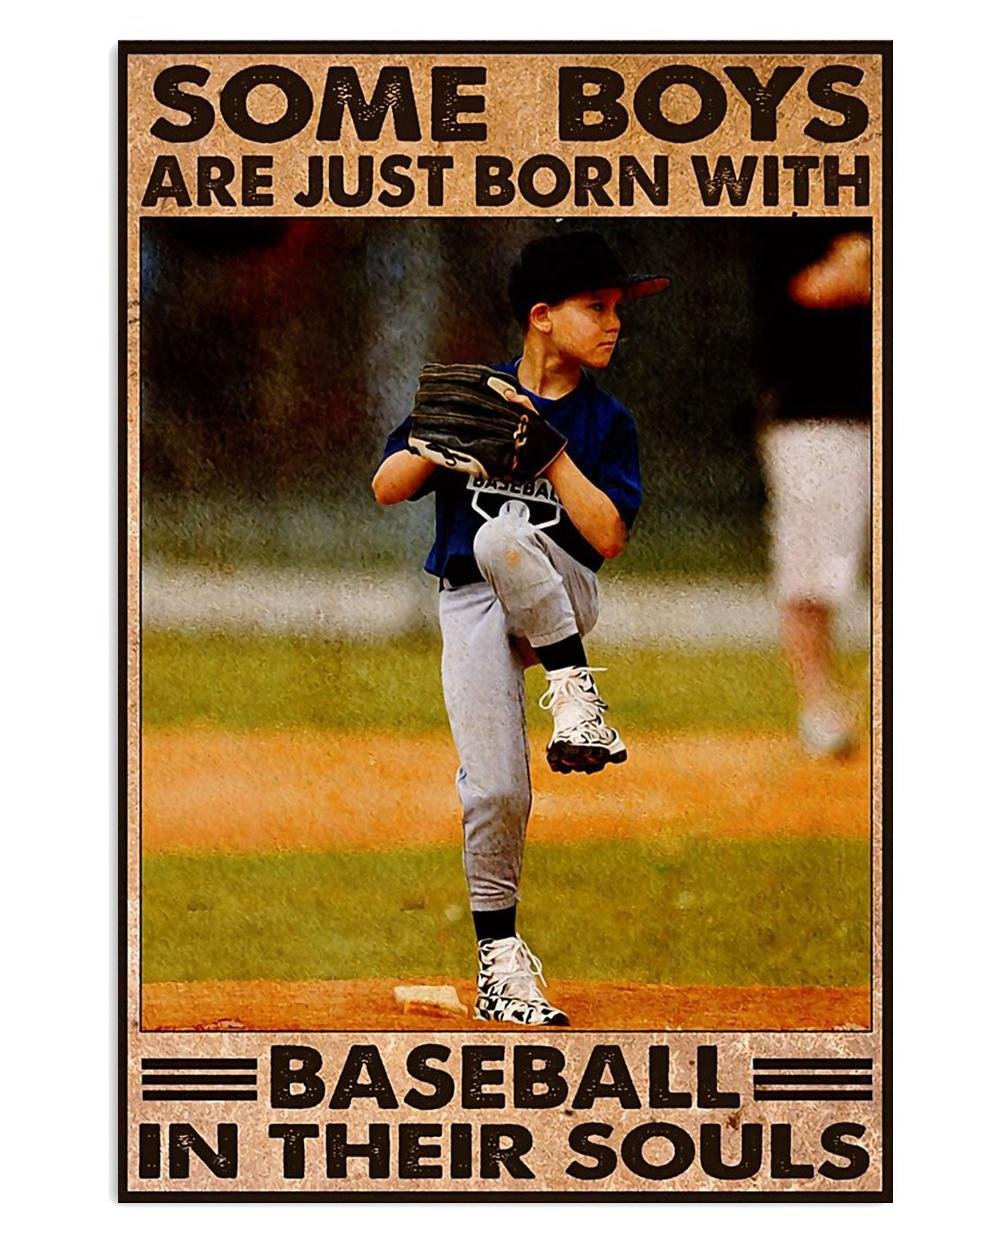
[[461, 420]]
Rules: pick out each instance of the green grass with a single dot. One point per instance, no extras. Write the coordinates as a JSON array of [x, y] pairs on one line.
[[686, 911], [245, 682], [682, 910]]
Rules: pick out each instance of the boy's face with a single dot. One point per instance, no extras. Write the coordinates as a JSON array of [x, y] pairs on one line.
[[585, 327]]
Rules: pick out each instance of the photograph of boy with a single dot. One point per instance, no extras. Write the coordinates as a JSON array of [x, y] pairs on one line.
[[518, 578]]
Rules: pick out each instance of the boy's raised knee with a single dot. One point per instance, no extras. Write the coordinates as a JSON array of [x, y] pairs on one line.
[[499, 542]]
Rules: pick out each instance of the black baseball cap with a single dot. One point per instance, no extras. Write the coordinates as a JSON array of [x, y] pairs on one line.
[[557, 266]]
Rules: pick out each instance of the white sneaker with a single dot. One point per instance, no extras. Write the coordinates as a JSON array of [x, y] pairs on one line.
[[826, 733], [507, 988], [581, 741]]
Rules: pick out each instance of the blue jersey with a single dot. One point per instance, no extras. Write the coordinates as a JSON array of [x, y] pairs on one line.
[[602, 442]]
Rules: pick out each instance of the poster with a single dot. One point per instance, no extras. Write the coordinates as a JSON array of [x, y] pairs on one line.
[[302, 228]]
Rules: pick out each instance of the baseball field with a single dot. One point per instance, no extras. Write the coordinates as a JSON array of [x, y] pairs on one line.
[[301, 845]]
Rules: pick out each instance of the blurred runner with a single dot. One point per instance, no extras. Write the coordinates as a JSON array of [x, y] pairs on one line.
[[815, 404]]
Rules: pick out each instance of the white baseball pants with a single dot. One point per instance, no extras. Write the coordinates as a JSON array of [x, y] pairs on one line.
[[533, 590]]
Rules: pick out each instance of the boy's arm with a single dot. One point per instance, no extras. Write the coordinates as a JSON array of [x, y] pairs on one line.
[[589, 508], [400, 476]]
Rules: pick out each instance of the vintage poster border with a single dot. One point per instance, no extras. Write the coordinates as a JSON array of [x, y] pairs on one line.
[[882, 693]]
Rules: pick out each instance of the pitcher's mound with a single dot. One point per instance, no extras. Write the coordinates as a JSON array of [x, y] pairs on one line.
[[375, 1006]]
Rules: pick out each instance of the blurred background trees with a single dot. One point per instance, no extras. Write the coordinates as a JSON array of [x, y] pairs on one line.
[[277, 354]]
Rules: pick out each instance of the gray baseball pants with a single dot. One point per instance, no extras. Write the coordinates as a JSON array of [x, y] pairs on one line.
[[535, 591]]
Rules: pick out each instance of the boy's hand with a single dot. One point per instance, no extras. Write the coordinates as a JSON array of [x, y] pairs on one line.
[[510, 394], [513, 396]]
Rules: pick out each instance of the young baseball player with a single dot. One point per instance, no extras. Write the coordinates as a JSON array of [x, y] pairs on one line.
[[517, 565]]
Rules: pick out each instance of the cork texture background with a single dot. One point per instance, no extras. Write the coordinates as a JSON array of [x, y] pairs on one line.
[[522, 117]]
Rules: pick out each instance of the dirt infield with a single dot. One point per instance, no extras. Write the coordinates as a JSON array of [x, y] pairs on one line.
[[206, 789], [368, 1005]]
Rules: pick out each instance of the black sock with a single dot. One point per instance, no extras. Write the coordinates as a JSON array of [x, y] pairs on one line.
[[495, 925], [568, 653]]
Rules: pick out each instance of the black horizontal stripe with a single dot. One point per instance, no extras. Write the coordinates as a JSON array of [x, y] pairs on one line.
[[805, 1064], [199, 1095], [801, 1079], [812, 1095], [194, 1078], [196, 1064]]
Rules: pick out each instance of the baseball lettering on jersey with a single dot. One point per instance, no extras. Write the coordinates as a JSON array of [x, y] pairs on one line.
[[544, 506], [539, 495]]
